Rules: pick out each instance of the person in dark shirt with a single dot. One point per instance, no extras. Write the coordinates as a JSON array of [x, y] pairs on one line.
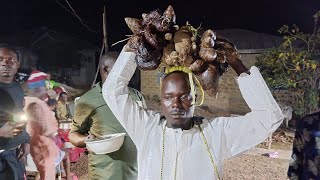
[[14, 140], [305, 159]]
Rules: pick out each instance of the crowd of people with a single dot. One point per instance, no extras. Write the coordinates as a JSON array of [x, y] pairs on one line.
[[171, 144], [30, 122]]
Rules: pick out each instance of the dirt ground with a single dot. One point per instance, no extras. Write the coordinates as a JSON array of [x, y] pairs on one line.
[[248, 167], [251, 167], [80, 168]]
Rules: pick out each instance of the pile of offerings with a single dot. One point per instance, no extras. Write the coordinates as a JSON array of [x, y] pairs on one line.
[[158, 41]]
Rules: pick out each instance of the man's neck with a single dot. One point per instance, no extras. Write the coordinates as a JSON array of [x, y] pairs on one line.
[[186, 126], [6, 80]]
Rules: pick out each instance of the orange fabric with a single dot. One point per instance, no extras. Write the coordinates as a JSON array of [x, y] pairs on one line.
[[41, 125]]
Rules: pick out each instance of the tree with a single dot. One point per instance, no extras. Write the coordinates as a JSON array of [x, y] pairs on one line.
[[295, 66]]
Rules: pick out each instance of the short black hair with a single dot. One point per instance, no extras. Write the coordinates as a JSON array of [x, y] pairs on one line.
[[51, 102], [11, 48], [186, 76], [62, 93], [111, 54]]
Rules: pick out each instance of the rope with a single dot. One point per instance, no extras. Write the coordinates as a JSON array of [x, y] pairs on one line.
[[193, 93], [209, 152], [162, 156], [201, 91], [177, 155], [175, 167]]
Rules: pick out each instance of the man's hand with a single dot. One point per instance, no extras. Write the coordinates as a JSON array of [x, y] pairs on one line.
[[232, 56], [234, 61], [10, 130], [90, 137], [23, 150], [77, 139]]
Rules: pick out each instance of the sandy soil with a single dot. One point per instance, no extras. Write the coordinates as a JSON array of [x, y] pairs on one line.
[[248, 167], [251, 167], [80, 168]]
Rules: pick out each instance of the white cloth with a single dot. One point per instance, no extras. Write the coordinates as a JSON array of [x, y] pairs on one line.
[[226, 136], [31, 166]]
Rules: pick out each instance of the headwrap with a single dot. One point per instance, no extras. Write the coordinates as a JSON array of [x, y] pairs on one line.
[[37, 79]]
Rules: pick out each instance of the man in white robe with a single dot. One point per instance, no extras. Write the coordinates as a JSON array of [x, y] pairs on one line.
[[172, 145]]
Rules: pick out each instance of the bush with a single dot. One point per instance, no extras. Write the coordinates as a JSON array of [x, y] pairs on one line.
[[295, 66]]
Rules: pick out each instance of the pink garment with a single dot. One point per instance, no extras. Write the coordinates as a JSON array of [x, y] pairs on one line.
[[42, 124], [74, 153]]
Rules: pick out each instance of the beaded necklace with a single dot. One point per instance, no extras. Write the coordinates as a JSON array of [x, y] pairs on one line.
[[176, 162]]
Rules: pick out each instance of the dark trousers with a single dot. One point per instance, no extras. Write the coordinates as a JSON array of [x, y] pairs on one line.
[[11, 168]]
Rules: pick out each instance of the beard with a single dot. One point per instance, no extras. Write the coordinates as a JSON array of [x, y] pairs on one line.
[[6, 72], [183, 124], [179, 118]]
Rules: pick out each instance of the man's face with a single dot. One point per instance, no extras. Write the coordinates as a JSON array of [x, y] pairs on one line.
[[64, 97], [176, 100], [106, 66], [9, 65]]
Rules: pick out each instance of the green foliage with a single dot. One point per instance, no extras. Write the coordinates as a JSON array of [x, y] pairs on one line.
[[295, 66]]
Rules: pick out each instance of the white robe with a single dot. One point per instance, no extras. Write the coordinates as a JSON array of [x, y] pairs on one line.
[[185, 149]]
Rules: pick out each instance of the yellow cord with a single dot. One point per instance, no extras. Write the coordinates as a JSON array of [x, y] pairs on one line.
[[178, 68], [162, 154], [176, 162], [193, 94], [201, 90], [209, 153]]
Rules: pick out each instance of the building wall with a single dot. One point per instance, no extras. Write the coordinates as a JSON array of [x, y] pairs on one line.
[[228, 99], [85, 75]]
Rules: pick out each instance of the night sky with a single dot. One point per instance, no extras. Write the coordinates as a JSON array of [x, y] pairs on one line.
[[265, 16]]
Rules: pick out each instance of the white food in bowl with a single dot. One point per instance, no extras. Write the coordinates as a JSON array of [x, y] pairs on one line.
[[110, 143]]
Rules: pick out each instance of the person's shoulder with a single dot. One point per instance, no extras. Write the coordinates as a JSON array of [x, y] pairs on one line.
[[215, 121], [17, 85], [90, 95], [309, 122], [91, 99], [311, 117]]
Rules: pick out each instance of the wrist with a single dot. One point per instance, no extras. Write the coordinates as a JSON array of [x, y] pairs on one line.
[[77, 139], [80, 143], [238, 66]]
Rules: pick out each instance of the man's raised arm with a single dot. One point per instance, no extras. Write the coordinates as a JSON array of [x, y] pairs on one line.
[[115, 91], [244, 132]]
